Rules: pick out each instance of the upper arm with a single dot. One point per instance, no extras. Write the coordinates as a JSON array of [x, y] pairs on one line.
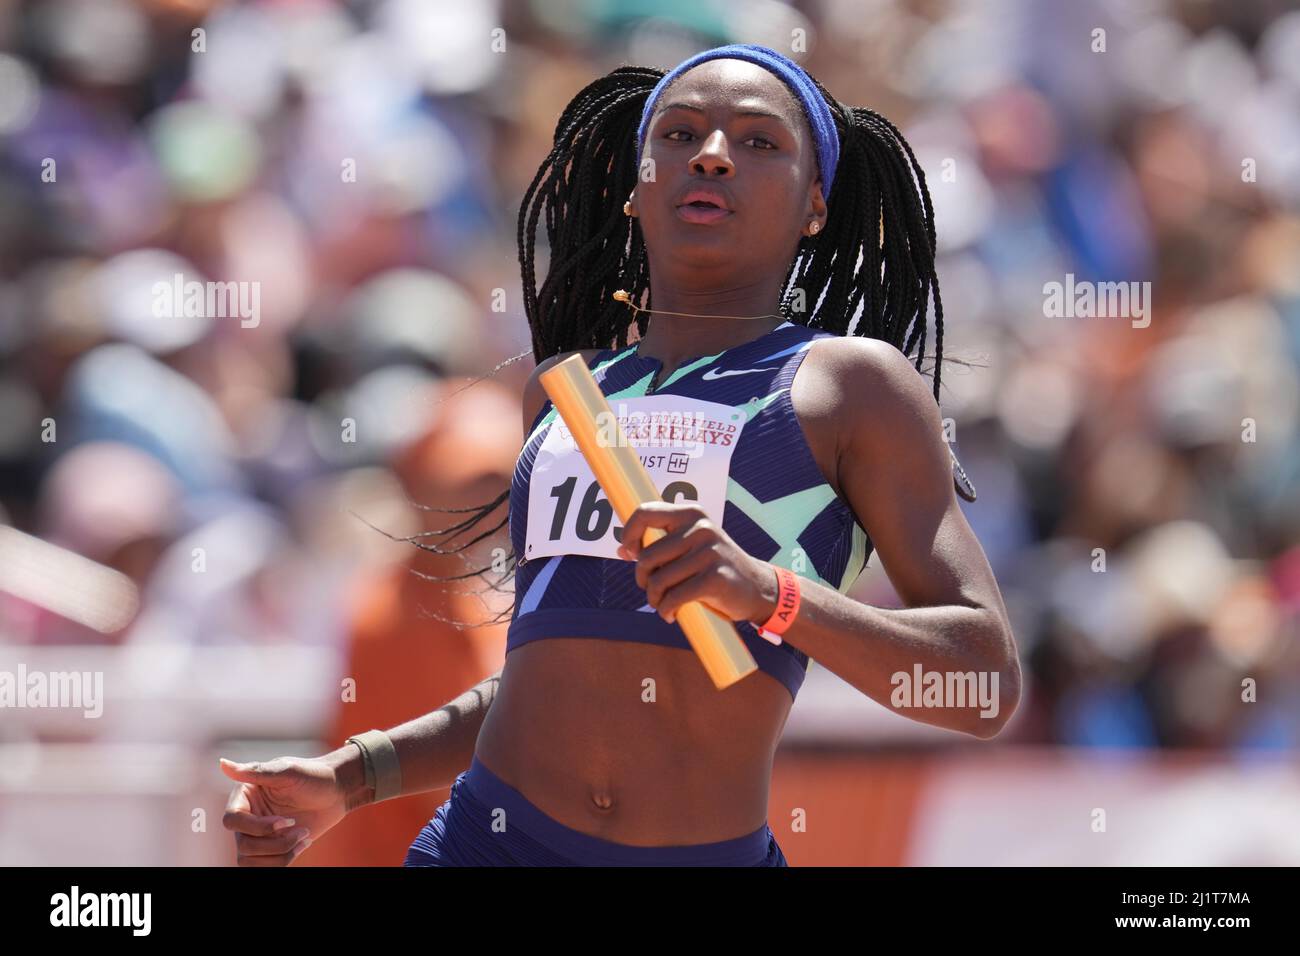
[[896, 472], [534, 395]]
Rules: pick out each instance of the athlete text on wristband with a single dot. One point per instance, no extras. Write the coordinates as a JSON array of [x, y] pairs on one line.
[[787, 606]]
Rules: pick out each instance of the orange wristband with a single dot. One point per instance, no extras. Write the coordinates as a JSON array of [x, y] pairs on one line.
[[787, 606]]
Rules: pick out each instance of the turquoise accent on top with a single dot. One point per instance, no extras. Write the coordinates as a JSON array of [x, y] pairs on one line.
[[777, 502], [783, 520]]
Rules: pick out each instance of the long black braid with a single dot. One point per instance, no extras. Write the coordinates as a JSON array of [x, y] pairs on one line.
[[595, 249], [878, 212]]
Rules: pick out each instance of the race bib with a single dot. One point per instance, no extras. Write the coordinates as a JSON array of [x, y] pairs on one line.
[[685, 445]]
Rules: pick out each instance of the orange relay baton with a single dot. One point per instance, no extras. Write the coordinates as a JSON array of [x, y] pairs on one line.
[[578, 400]]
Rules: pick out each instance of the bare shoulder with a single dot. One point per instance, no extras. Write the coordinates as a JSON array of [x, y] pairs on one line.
[[864, 379], [534, 394], [852, 393]]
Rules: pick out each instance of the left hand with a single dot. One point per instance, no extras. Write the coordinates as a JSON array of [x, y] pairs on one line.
[[696, 561]]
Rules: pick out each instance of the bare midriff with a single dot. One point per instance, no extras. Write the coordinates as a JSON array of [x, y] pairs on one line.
[[632, 743]]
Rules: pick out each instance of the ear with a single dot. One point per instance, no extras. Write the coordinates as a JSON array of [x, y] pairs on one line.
[[816, 209]]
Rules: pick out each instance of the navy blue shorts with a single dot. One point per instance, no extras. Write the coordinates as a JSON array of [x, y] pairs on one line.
[[487, 822]]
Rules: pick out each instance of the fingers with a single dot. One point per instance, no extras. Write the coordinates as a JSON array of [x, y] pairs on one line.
[[257, 772], [239, 816], [658, 553], [669, 578], [276, 851], [696, 587], [260, 839], [679, 567], [252, 824], [276, 845], [658, 514]]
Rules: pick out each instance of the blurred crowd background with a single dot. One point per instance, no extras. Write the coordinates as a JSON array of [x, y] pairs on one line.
[[223, 516]]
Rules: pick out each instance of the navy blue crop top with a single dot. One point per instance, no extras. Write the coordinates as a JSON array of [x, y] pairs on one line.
[[778, 506]]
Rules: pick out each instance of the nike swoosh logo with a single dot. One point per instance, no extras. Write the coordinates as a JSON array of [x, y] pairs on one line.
[[713, 373]]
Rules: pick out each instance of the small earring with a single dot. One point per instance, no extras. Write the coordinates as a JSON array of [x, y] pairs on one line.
[[627, 208], [814, 227]]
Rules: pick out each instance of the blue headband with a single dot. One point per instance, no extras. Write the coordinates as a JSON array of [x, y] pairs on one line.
[[792, 74]]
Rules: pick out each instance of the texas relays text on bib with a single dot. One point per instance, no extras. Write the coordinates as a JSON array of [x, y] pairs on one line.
[[684, 443]]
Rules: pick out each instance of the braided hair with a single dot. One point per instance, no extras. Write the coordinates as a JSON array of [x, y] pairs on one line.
[[877, 250]]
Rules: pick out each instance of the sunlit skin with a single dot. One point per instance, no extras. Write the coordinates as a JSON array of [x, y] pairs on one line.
[[571, 725]]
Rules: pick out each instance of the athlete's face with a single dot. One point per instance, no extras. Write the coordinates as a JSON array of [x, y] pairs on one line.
[[735, 181]]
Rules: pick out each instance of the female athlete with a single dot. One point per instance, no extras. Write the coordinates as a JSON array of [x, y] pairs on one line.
[[750, 218]]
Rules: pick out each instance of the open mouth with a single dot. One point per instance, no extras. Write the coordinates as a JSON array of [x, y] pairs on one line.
[[702, 210]]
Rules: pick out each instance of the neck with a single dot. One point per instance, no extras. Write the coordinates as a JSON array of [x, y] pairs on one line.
[[717, 320]]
